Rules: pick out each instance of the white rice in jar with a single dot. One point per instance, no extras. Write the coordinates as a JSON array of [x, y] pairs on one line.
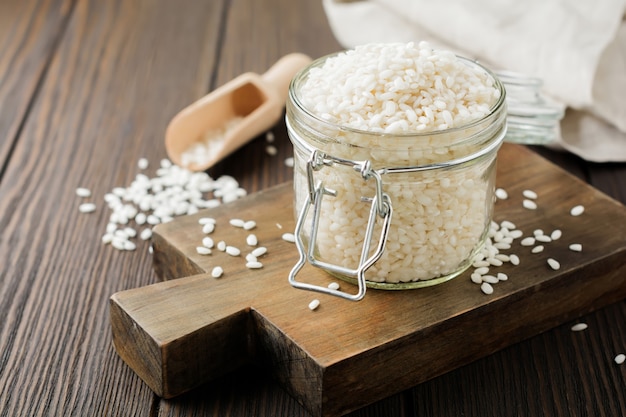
[[430, 124]]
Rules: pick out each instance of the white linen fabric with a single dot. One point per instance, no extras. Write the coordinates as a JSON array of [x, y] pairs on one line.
[[578, 49]]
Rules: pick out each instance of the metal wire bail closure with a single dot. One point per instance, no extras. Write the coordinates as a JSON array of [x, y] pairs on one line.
[[381, 207]]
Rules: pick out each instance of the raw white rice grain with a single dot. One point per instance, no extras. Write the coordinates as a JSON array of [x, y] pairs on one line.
[[251, 258], [481, 264], [333, 286], [142, 163], [579, 327], [544, 238], [507, 224], [118, 243], [271, 150], [490, 279], [314, 304], [501, 194], [529, 204], [494, 261], [141, 218], [576, 247], [260, 251], [221, 245], [502, 276], [289, 237], [145, 234], [107, 238], [289, 162], [236, 222], [83, 192], [206, 220], [87, 208], [252, 240], [153, 220], [249, 225], [203, 250], [537, 249], [514, 259], [577, 210], [556, 234], [208, 228], [233, 251], [482, 270], [269, 136], [254, 265], [486, 288], [554, 264], [476, 278], [620, 359], [208, 242], [529, 194], [503, 257], [217, 272], [528, 241], [129, 246]]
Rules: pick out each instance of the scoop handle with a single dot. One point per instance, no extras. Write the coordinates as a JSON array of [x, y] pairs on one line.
[[279, 76]]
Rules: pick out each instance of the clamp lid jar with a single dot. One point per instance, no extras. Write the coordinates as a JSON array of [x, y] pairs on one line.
[[404, 201]]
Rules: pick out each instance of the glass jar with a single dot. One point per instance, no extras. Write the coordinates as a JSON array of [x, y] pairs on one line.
[[391, 211]]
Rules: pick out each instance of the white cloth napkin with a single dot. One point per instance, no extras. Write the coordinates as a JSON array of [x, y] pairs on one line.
[[578, 49]]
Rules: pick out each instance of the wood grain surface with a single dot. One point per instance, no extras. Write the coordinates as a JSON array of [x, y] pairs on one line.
[[181, 333], [86, 89]]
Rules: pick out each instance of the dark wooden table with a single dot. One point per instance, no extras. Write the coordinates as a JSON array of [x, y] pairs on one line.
[[87, 87]]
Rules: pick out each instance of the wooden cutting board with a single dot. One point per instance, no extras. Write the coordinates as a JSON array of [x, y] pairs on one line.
[[182, 332]]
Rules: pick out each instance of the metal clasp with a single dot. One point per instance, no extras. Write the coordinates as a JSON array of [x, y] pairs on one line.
[[381, 207]]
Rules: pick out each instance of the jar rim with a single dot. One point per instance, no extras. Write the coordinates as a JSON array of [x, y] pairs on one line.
[[294, 99]]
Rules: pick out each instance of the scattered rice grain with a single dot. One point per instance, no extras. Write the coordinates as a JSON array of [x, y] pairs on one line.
[[87, 208], [314, 304], [529, 204], [554, 264], [260, 251], [486, 288], [145, 234], [289, 237], [577, 210], [252, 240], [529, 194], [333, 285], [236, 222], [83, 192], [537, 249], [271, 150], [576, 247], [579, 327], [501, 194], [620, 359], [217, 272], [203, 250], [254, 265], [233, 251]]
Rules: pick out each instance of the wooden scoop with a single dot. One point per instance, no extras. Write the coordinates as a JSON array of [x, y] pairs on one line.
[[230, 116]]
